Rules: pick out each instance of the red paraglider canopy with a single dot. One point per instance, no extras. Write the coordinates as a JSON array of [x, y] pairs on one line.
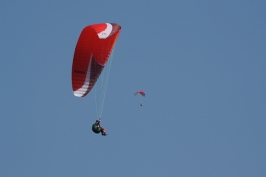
[[92, 51], [140, 92]]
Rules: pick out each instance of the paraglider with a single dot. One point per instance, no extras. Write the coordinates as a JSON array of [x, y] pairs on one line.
[[141, 92], [96, 128], [92, 52]]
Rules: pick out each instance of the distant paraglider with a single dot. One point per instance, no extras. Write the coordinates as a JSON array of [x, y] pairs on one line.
[[141, 92]]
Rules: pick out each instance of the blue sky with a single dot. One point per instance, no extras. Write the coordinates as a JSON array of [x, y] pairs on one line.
[[202, 65]]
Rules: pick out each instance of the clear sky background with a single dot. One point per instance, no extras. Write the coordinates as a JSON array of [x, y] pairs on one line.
[[202, 65]]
